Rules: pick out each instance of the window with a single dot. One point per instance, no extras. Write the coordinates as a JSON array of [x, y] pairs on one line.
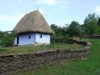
[[29, 37], [40, 35]]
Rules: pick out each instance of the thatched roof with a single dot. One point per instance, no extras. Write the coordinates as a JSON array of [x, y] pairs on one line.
[[33, 22]]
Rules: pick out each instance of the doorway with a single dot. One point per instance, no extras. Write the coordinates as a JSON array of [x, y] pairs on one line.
[[17, 40]]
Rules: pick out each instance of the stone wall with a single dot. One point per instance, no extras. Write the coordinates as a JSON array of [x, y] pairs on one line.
[[12, 63]]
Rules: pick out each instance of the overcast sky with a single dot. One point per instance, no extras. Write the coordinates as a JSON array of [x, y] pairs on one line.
[[60, 12]]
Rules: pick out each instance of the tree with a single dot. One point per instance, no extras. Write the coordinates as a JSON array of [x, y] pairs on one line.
[[90, 24], [73, 29], [99, 22], [60, 33]]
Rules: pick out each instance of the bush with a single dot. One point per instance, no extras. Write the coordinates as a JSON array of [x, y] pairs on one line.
[[2, 49], [6, 39]]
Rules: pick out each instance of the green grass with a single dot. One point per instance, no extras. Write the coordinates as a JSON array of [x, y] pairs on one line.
[[30, 49], [89, 66]]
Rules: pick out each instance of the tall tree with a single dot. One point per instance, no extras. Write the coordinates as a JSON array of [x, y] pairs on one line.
[[73, 29], [60, 33], [90, 24]]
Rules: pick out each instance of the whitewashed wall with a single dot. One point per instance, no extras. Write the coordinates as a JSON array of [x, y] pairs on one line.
[[45, 38], [24, 39]]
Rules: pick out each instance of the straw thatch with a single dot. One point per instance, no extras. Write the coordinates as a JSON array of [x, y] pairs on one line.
[[33, 22]]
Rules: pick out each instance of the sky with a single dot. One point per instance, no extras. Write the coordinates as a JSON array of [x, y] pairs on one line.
[[59, 12]]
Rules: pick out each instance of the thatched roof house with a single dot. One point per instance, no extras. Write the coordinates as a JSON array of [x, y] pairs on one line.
[[32, 24]]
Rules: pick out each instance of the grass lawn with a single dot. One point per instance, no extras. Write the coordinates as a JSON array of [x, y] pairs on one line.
[[90, 66], [30, 49]]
